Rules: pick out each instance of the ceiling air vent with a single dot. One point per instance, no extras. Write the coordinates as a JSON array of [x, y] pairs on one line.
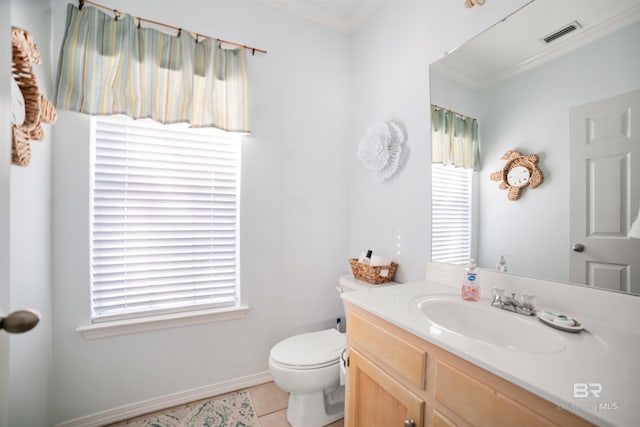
[[562, 32]]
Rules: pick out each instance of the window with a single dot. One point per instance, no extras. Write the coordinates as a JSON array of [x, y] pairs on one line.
[[164, 218], [451, 214]]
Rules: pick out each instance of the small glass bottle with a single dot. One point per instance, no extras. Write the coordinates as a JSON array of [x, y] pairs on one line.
[[501, 265]]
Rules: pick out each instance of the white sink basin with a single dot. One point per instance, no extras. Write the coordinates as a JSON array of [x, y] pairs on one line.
[[480, 321]]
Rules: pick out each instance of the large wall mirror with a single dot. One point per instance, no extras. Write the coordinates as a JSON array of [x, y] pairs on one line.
[[560, 99]]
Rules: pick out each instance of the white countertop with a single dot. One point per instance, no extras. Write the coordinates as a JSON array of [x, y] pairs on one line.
[[601, 354]]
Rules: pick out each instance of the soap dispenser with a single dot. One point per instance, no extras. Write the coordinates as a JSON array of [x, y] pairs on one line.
[[471, 284], [501, 265]]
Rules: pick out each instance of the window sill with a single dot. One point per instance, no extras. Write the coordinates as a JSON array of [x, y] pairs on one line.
[[165, 321]]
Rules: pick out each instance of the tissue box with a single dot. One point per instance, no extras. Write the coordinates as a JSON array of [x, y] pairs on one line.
[[375, 275]]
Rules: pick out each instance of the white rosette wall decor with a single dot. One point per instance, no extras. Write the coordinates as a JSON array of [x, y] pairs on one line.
[[380, 149]]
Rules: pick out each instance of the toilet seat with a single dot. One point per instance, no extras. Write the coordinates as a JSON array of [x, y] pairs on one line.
[[303, 367], [311, 350]]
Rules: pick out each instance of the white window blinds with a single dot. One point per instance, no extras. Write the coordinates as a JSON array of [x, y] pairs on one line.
[[451, 214], [164, 218]]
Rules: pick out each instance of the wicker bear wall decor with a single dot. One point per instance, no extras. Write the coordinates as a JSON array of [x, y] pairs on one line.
[[519, 172], [27, 125]]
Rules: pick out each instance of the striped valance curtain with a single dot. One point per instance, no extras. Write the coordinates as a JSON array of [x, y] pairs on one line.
[[454, 139], [113, 66]]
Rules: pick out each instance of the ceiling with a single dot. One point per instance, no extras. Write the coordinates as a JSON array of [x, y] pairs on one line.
[[341, 15], [515, 44]]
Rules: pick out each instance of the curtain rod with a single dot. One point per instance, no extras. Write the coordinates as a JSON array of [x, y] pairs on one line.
[[197, 35], [454, 112]]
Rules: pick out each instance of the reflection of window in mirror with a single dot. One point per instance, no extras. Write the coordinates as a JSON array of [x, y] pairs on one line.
[[452, 214]]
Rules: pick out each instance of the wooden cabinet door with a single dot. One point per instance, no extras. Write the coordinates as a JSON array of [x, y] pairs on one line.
[[374, 398]]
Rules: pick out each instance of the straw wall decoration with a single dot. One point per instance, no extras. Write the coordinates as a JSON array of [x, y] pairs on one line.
[[37, 108], [519, 172]]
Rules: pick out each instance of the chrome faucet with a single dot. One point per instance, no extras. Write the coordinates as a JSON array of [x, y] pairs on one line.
[[524, 304]]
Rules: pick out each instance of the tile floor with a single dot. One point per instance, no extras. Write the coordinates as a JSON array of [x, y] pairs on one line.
[[269, 401]]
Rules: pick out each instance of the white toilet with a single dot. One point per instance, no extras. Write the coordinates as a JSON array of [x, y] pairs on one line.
[[307, 366]]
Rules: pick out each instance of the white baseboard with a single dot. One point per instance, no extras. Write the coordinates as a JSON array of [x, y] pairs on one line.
[[136, 409]]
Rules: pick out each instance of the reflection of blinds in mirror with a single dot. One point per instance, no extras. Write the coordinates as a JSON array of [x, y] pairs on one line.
[[451, 212]]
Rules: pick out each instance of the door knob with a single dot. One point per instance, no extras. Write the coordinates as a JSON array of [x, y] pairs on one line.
[[20, 321], [578, 247], [409, 423]]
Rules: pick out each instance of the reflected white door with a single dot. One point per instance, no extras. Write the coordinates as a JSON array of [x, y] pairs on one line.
[[605, 192]]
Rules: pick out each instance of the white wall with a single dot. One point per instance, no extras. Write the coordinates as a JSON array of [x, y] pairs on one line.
[[530, 113], [5, 161], [453, 95], [30, 243], [294, 222], [391, 53]]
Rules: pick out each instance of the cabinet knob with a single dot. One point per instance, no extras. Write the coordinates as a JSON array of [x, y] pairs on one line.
[[409, 423]]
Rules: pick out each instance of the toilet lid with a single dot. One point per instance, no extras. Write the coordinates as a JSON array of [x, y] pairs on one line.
[[313, 349]]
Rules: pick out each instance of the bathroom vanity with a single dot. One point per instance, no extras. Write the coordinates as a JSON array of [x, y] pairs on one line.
[[495, 368], [398, 379]]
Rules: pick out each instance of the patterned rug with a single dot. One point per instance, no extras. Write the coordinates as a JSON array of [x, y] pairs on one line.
[[233, 410]]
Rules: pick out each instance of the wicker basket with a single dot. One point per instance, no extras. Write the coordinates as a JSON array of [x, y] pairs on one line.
[[370, 273]]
